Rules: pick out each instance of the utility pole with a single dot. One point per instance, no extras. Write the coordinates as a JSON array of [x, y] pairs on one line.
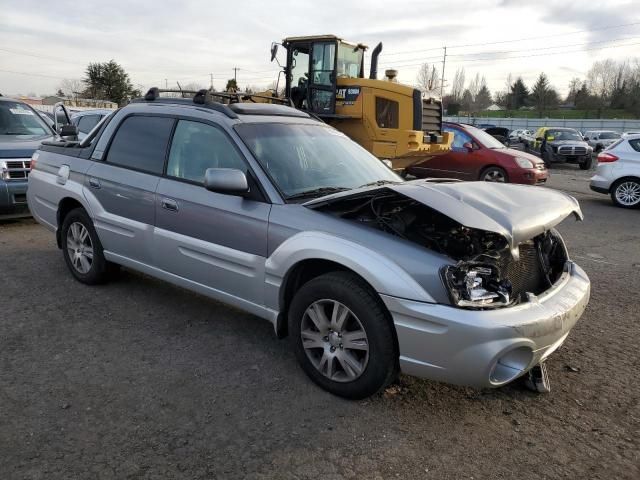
[[166, 84], [211, 84], [235, 74], [444, 61]]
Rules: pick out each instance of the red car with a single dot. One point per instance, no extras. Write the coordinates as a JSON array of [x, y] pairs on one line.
[[476, 155]]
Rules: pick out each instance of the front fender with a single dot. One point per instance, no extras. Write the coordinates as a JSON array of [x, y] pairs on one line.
[[379, 270]]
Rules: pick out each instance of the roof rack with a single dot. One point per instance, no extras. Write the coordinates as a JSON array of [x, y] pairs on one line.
[[205, 97]]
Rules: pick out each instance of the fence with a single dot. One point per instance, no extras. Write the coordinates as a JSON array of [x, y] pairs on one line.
[[534, 123], [49, 108]]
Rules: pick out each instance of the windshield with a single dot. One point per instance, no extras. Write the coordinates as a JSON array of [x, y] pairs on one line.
[[484, 138], [609, 135], [301, 159], [349, 61], [18, 119], [563, 135]]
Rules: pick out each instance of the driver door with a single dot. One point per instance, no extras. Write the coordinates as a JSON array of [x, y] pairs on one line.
[[322, 78]]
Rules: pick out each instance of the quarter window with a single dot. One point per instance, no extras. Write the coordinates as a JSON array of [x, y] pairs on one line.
[[141, 143], [635, 144], [197, 146], [386, 113]]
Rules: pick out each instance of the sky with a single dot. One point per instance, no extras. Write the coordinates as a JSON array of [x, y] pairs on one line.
[[44, 42]]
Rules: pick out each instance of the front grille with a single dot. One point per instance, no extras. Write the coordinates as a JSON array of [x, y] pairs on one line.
[[431, 116], [526, 274], [18, 169], [572, 150]]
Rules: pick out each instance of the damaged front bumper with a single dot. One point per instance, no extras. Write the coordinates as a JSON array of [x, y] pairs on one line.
[[487, 348]]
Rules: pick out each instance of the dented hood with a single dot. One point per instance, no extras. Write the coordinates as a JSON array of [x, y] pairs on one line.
[[517, 212]]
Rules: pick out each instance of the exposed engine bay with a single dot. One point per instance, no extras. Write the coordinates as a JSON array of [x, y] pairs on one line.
[[486, 274]]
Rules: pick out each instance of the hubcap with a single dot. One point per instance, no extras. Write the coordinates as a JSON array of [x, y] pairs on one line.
[[628, 193], [79, 247], [494, 176], [334, 340]]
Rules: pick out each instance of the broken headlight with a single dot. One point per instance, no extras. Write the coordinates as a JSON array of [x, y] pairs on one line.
[[476, 286]]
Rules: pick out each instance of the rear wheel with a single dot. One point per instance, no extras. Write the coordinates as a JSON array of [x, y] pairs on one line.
[[626, 193], [82, 249], [494, 174], [341, 335]]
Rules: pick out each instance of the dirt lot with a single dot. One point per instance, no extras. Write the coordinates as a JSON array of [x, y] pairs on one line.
[[139, 379]]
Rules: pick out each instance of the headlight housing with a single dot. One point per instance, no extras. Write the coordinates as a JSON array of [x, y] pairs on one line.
[[476, 286], [524, 162]]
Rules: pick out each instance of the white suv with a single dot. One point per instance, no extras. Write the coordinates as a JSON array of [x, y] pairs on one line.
[[618, 172]]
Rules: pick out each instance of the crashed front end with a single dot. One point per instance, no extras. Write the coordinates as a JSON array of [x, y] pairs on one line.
[[514, 294]]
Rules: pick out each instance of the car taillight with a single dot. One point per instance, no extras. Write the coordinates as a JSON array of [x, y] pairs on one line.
[[606, 157], [34, 160]]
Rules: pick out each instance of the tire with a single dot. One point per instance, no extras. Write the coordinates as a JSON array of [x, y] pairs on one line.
[[357, 372], [625, 193], [494, 174], [87, 263], [586, 165], [543, 156]]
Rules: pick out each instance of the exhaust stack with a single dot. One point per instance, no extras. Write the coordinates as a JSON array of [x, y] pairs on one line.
[[373, 74]]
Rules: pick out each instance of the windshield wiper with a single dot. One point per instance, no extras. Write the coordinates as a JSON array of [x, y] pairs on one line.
[[317, 192], [378, 183]]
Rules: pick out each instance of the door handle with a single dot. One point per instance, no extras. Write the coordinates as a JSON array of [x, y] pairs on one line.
[[94, 183], [169, 204]]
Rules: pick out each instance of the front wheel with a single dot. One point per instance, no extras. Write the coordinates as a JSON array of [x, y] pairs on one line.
[[626, 193], [341, 335], [82, 249], [494, 174], [586, 165]]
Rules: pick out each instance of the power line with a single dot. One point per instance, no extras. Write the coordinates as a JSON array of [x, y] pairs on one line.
[[518, 39], [427, 59], [489, 59]]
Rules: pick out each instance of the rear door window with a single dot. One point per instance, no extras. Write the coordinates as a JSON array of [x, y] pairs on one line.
[[141, 143], [635, 144]]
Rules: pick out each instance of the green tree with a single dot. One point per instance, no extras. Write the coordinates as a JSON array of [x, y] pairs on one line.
[[543, 95], [519, 94], [232, 85], [108, 81], [483, 97]]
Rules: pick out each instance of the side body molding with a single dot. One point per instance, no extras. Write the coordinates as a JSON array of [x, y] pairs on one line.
[[384, 275]]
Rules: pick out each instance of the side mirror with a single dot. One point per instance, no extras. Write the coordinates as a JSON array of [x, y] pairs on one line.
[[229, 181], [68, 131], [468, 146], [274, 51]]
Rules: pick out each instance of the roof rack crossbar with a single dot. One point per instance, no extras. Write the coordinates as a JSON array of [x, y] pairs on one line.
[[200, 97]]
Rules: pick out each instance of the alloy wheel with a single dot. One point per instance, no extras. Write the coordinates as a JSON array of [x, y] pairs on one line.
[[334, 340], [494, 176], [628, 193], [79, 247]]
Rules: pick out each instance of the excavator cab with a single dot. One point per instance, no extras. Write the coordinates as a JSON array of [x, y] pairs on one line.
[[313, 67]]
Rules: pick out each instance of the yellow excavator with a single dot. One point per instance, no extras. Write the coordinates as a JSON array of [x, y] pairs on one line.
[[324, 75]]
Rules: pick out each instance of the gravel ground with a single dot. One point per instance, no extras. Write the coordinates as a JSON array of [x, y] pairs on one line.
[[139, 379]]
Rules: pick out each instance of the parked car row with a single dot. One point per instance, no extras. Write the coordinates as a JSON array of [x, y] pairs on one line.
[[273, 211], [22, 130], [476, 155]]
